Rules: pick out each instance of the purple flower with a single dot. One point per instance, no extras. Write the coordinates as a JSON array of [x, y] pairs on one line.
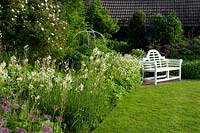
[[176, 46], [59, 118], [4, 130], [36, 111], [189, 46], [166, 51], [166, 46], [46, 117], [5, 102], [55, 108], [17, 106], [32, 118], [20, 130], [46, 128], [5, 109], [2, 123], [5, 105]]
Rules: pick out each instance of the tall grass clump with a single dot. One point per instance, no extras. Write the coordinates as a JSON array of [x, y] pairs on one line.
[[67, 100]]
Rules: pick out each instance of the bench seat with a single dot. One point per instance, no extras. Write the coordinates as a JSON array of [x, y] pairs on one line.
[[163, 69]]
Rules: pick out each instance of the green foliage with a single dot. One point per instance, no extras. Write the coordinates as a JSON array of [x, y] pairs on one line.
[[118, 46], [191, 69], [47, 27], [187, 50], [165, 30], [99, 18], [138, 53], [83, 97], [136, 30], [41, 25], [17, 115]]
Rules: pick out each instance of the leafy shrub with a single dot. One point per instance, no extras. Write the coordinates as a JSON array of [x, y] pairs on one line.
[[118, 46], [138, 53], [187, 50], [191, 70], [136, 30], [165, 30], [99, 18], [40, 25], [83, 97], [47, 27]]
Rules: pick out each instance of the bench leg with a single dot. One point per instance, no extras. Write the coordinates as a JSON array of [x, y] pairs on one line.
[[155, 78], [167, 74], [179, 74]]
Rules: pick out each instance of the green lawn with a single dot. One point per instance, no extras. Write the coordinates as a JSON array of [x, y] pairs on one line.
[[169, 107]]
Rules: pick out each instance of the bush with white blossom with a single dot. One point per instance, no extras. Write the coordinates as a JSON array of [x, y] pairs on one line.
[[84, 97]]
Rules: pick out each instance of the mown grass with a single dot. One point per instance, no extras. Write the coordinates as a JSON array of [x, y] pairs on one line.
[[170, 107]]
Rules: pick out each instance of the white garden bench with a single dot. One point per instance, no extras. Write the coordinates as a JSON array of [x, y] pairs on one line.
[[155, 63]]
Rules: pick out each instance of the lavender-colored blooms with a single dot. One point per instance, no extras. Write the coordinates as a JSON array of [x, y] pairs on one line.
[[5, 105], [59, 118], [46, 117], [5, 102], [46, 128], [55, 107], [166, 46], [189, 46], [2, 123], [17, 106], [36, 111], [20, 130], [32, 118], [176, 46], [5, 109], [4, 130], [166, 51]]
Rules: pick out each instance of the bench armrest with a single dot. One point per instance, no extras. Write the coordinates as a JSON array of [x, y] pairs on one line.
[[148, 64], [174, 62]]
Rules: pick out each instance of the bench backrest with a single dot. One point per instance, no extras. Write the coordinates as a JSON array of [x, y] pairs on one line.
[[154, 55]]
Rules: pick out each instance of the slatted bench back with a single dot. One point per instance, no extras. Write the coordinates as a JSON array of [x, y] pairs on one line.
[[154, 55]]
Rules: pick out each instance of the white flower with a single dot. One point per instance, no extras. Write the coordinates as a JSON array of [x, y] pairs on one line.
[[13, 10], [42, 4], [81, 87], [91, 57], [68, 78], [13, 59], [3, 64], [19, 79], [30, 86], [38, 97], [52, 24], [52, 34], [42, 29]]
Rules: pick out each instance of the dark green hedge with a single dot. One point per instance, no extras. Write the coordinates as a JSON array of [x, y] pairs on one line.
[[191, 70]]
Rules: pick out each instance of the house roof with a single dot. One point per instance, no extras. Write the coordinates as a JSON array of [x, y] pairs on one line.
[[188, 11]]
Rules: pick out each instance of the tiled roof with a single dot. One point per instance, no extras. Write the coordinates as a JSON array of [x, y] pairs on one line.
[[188, 11]]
